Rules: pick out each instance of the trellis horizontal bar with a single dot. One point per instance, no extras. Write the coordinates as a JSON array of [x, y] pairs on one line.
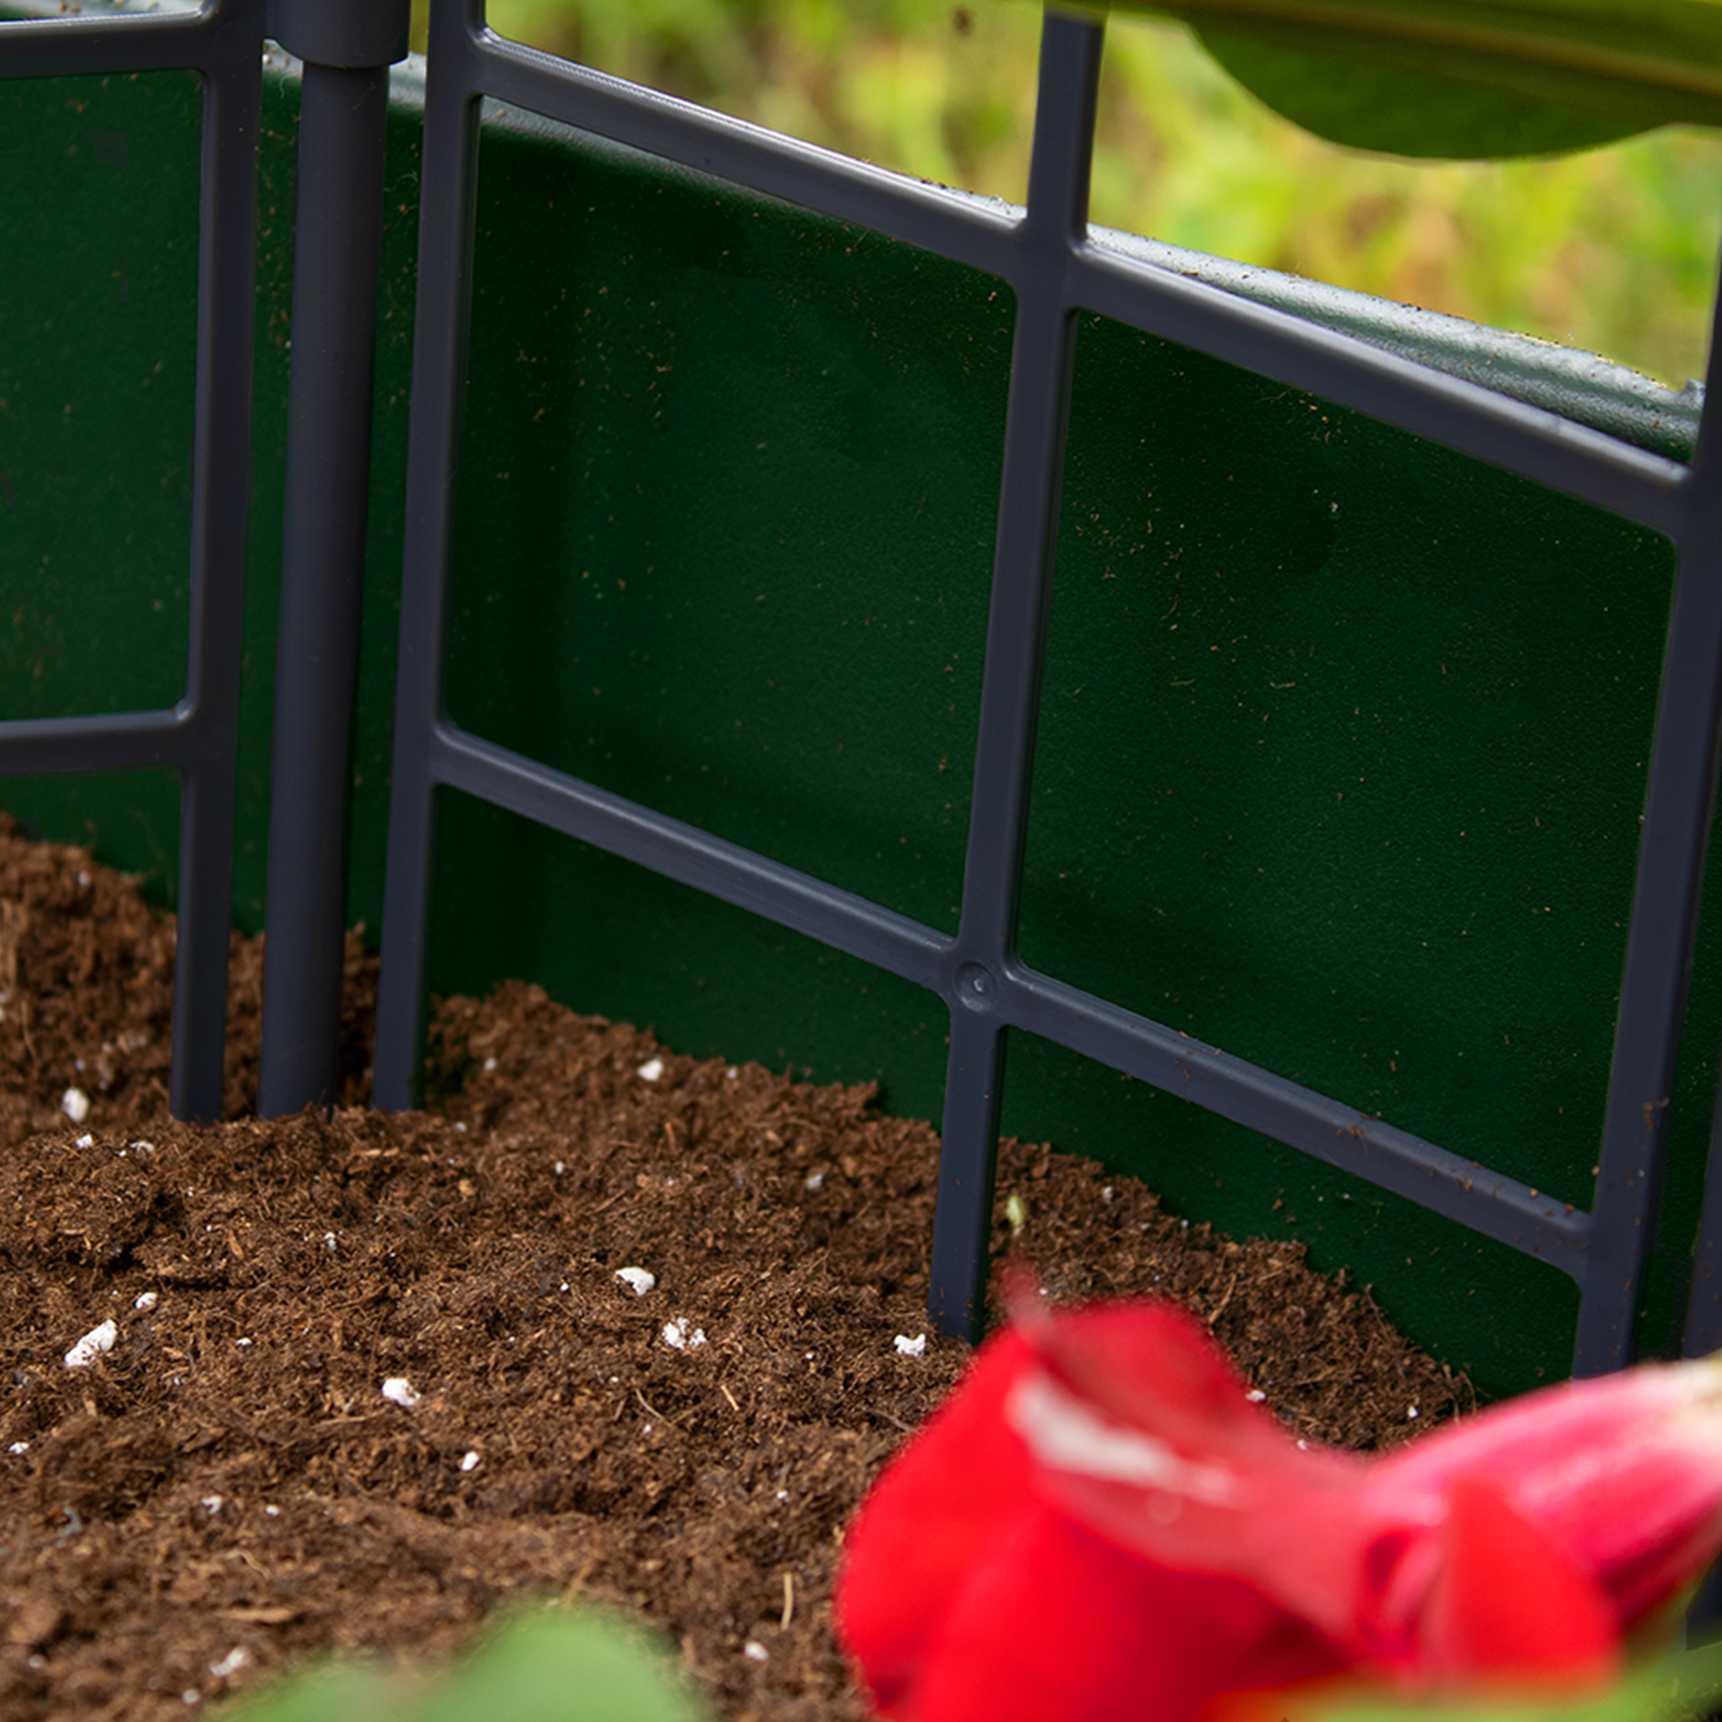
[[1459, 1189], [68, 47], [1474, 420], [1529, 441], [76, 744], [927, 216], [690, 856], [1487, 1202]]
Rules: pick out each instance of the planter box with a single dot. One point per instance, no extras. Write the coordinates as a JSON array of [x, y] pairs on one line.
[[1343, 743]]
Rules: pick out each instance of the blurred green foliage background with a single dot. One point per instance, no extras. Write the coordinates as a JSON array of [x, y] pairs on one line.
[[1613, 250]]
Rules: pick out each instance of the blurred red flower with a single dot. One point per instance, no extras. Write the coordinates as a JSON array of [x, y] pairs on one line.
[[1101, 1526]]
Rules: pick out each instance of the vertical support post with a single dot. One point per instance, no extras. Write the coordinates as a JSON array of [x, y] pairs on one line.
[[1703, 1624], [1672, 846], [226, 270], [347, 47], [446, 225], [1703, 1331], [1703, 1335], [1031, 485]]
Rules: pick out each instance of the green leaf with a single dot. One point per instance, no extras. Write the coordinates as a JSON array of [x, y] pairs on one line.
[[1468, 78], [1674, 1689], [339, 1692], [555, 1666], [547, 1665]]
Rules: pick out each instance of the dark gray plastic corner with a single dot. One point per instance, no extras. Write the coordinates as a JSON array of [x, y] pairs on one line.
[[353, 34]]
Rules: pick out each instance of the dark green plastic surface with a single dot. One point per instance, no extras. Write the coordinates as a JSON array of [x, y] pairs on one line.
[[1343, 742]]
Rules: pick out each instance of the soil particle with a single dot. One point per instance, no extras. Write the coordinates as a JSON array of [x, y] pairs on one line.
[[230, 1487]]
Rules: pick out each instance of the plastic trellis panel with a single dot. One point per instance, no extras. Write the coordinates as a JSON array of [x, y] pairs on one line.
[[1056, 269], [199, 735]]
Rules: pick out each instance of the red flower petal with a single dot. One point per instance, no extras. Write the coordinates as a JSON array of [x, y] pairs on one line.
[[941, 1508], [1508, 1606], [1622, 1474], [1061, 1626], [1144, 1432]]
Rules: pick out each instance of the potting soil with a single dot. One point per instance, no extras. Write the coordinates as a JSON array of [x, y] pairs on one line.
[[230, 1488]]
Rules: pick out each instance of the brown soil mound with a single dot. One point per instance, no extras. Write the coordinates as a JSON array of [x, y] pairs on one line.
[[229, 1478]]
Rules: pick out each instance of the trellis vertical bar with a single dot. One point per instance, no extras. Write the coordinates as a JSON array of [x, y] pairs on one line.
[[1702, 1333], [439, 379], [347, 46], [1703, 1623], [226, 270], [1703, 1330], [1702, 1336], [1672, 846], [202, 737], [1030, 488]]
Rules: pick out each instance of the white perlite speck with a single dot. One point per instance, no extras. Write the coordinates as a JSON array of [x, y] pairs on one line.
[[814, 1180], [75, 1103], [678, 1336], [330, 1241], [1107, 1192], [470, 1461], [1413, 1412], [237, 1658], [754, 1651], [92, 1345], [1255, 1396], [651, 1070], [19, 1447], [146, 1301], [907, 1347], [638, 1280], [212, 1504], [85, 1141], [399, 1391], [272, 1512]]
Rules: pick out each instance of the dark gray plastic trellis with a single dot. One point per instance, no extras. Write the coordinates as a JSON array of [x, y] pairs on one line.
[[347, 47], [1047, 257], [1055, 268], [198, 736]]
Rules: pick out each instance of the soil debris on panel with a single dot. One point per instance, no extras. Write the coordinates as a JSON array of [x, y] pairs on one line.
[[609, 1322]]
